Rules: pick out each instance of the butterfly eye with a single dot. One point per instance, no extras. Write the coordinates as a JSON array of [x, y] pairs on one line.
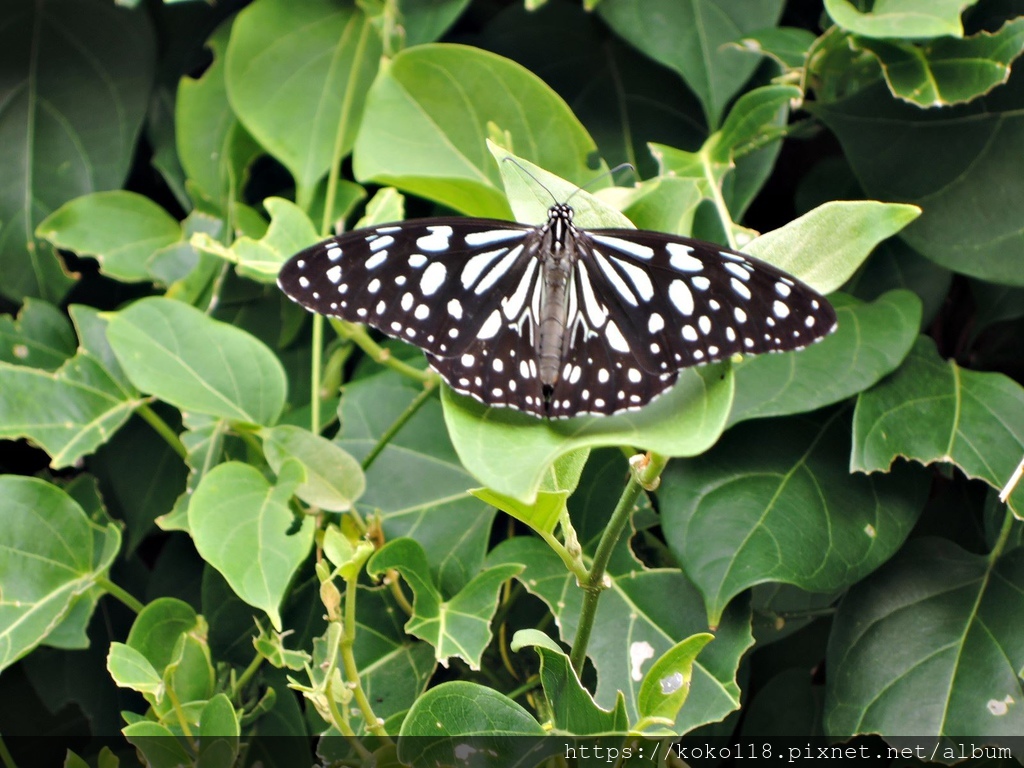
[[555, 320]]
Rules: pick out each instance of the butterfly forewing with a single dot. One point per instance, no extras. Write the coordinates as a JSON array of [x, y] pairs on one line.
[[435, 283], [635, 308]]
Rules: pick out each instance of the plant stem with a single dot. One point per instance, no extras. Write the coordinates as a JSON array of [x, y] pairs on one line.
[[163, 429], [115, 591], [716, 196], [246, 675], [1002, 538], [408, 413], [316, 374], [643, 476], [348, 659], [5, 756], [358, 335]]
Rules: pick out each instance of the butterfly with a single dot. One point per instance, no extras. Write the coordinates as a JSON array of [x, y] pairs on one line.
[[556, 320]]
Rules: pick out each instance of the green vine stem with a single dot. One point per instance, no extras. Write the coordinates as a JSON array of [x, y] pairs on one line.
[[428, 388], [361, 338], [163, 429], [115, 591], [645, 474], [348, 638]]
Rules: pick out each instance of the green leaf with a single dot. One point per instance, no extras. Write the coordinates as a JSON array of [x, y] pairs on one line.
[[787, 46], [458, 708], [78, 82], [207, 129], [933, 410], [156, 630], [753, 112], [289, 232], [870, 342], [219, 732], [649, 625], [131, 669], [416, 485], [774, 501], [41, 337], [120, 229], [557, 486], [510, 452], [458, 627], [691, 38], [333, 478], [196, 363], [950, 70], [845, 230], [969, 198], [307, 64], [72, 411], [51, 557], [930, 644], [573, 708], [243, 527], [901, 18], [157, 744], [666, 685], [420, 135]]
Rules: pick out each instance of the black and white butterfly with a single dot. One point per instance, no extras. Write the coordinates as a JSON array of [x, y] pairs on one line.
[[555, 320]]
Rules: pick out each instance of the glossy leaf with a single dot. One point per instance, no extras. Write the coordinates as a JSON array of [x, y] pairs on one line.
[[121, 230], [456, 627], [67, 62], [459, 708], [243, 527], [691, 38], [423, 137], [52, 555], [870, 342], [950, 70], [307, 64], [932, 410], [667, 683], [774, 501], [196, 363], [930, 644]]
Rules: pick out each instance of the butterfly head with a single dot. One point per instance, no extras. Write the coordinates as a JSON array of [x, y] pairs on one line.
[[560, 212]]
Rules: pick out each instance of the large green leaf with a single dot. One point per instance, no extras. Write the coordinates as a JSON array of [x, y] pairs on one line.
[[244, 528], [306, 64], [196, 363], [72, 411], [950, 70], [931, 644], [775, 501], [121, 230], [425, 136], [870, 342], [969, 199], [77, 80], [51, 556], [459, 708], [900, 18], [933, 410], [691, 37]]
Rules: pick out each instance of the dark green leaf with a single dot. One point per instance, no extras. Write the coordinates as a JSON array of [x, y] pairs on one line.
[[78, 79], [933, 410], [930, 644], [41, 337], [774, 501], [459, 708], [901, 18]]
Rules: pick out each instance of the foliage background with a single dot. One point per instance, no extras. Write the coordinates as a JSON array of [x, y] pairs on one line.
[[181, 552]]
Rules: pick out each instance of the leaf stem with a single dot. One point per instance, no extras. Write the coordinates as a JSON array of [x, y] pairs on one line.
[[316, 374], [246, 676], [5, 756], [1002, 538], [115, 591], [361, 338], [716, 196], [348, 658], [428, 388], [644, 474], [163, 429]]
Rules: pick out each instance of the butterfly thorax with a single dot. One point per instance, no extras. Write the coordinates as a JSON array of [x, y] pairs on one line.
[[557, 254]]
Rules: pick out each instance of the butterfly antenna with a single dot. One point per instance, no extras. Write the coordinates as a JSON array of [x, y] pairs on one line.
[[596, 179], [538, 181]]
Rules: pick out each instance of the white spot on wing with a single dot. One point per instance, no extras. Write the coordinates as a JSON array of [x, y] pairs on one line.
[[433, 278], [490, 327], [681, 297], [491, 236], [334, 274], [615, 338], [437, 240], [680, 258], [628, 246]]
